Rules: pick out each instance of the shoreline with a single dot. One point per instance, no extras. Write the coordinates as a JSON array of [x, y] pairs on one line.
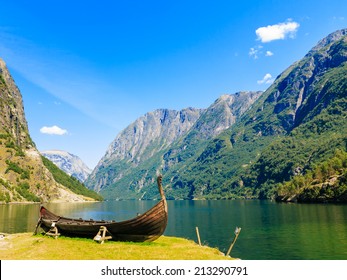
[[116, 200], [32, 202]]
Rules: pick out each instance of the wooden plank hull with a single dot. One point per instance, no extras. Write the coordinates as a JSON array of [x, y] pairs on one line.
[[145, 227]]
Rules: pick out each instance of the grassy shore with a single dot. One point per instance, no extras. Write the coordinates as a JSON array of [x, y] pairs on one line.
[[25, 246]]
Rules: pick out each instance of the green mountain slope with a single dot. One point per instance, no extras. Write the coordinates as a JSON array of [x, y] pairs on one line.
[[70, 182], [164, 155], [298, 123]]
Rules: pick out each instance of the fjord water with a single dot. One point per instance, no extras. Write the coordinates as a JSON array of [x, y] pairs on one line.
[[270, 230]]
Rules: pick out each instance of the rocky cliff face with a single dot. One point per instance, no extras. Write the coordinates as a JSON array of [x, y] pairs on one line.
[[69, 163], [12, 119], [140, 141], [328, 40], [297, 95], [23, 176], [218, 117], [224, 112], [150, 134], [161, 140]]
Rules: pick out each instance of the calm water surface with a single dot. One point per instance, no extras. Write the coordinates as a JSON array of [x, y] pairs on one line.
[[269, 230]]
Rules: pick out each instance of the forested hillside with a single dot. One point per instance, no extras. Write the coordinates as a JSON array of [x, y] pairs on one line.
[[297, 124]]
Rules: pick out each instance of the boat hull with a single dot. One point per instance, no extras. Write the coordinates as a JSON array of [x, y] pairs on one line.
[[145, 227]]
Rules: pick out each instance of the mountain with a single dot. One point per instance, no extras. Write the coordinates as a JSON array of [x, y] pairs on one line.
[[161, 141], [24, 174], [140, 142], [297, 126], [69, 163], [288, 143], [220, 116]]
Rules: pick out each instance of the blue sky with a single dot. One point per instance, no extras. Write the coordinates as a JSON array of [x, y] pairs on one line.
[[87, 69]]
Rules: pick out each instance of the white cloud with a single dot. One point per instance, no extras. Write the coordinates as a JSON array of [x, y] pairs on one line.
[[253, 52], [257, 51], [277, 31], [53, 130], [266, 80]]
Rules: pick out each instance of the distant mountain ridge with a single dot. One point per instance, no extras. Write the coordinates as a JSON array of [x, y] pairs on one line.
[[161, 125], [69, 163], [146, 146], [140, 141]]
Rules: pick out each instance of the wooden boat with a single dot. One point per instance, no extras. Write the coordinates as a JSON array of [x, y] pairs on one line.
[[145, 227]]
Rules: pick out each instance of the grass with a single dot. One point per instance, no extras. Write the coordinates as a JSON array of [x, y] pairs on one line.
[[25, 246]]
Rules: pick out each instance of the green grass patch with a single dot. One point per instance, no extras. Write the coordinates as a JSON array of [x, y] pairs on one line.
[[26, 246]]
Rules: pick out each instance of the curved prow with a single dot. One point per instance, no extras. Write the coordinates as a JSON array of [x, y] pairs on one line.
[[160, 187]]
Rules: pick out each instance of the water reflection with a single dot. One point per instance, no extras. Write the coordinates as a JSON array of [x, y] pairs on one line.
[[18, 217]]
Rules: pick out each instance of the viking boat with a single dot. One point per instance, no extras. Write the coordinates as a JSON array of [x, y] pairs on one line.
[[145, 227]]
